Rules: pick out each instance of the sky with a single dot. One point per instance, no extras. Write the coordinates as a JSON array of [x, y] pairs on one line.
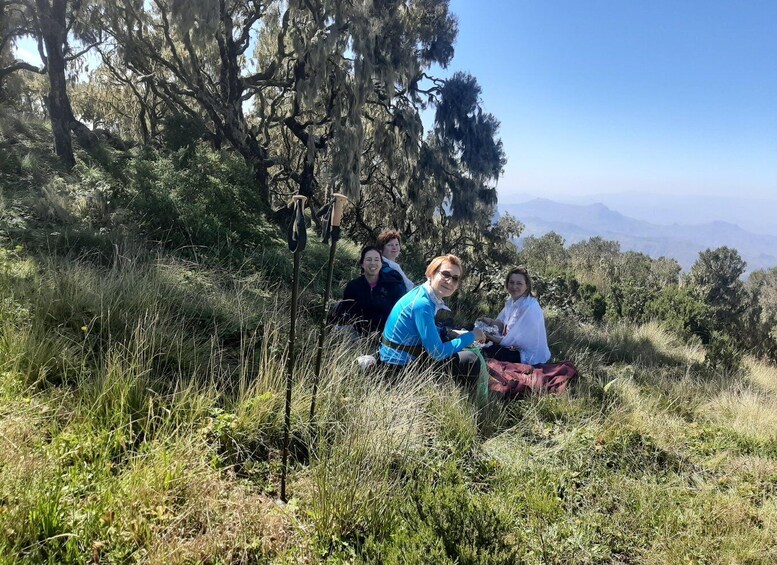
[[606, 96], [610, 96]]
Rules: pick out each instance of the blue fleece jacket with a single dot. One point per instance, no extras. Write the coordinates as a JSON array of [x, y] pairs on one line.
[[411, 322]]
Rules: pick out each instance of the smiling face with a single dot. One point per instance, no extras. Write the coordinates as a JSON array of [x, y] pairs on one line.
[[446, 280], [391, 250], [516, 286], [371, 264]]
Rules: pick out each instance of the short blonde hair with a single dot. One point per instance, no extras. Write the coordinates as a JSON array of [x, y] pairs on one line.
[[437, 262]]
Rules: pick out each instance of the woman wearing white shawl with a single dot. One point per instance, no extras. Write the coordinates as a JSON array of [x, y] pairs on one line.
[[521, 324], [389, 243]]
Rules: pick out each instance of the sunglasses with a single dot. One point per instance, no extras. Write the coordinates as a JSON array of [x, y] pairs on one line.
[[448, 276]]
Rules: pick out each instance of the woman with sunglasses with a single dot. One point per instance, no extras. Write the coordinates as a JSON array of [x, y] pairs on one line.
[[410, 329], [522, 337]]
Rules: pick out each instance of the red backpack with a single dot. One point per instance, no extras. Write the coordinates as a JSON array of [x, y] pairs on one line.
[[510, 380]]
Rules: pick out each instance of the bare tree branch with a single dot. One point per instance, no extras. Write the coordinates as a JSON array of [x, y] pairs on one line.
[[77, 55], [21, 66]]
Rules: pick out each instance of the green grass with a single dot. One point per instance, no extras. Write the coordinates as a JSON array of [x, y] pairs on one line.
[[155, 435], [142, 404]]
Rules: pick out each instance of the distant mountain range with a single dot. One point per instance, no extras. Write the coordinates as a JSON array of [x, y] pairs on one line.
[[683, 242], [757, 215]]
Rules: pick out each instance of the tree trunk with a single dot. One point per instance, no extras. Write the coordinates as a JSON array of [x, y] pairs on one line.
[[54, 35], [142, 123]]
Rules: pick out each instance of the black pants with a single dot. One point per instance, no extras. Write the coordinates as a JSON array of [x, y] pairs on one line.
[[500, 353], [464, 366]]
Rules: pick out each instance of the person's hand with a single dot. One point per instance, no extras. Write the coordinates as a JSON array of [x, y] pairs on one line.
[[453, 334], [479, 334], [495, 338]]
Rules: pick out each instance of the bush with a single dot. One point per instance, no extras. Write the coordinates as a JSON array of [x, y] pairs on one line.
[[445, 522], [198, 197], [682, 312], [591, 304], [181, 131], [628, 301], [723, 356]]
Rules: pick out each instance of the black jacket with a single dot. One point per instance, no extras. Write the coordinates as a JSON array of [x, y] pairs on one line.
[[369, 308]]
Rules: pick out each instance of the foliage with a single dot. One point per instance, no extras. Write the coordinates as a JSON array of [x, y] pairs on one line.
[[593, 261], [444, 522], [162, 441], [723, 356], [197, 196], [442, 201], [715, 278], [681, 310], [61, 29], [761, 315], [545, 254]]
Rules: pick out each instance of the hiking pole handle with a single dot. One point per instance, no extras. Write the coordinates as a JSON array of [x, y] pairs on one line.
[[337, 213]]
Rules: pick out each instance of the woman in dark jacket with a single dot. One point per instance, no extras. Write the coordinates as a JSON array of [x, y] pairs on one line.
[[368, 299]]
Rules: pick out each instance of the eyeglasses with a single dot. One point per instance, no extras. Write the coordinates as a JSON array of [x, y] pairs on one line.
[[448, 276]]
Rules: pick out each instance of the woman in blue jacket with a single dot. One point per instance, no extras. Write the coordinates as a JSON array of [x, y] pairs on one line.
[[410, 331]]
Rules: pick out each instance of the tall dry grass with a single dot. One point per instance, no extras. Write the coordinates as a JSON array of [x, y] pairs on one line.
[[154, 435]]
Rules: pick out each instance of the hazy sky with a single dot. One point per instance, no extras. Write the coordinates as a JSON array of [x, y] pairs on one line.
[[676, 97]]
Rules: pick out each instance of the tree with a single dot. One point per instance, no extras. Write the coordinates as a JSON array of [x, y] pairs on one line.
[[51, 22], [315, 95], [439, 192], [323, 75], [762, 285], [115, 103], [761, 318], [715, 279], [593, 261], [545, 254], [12, 26]]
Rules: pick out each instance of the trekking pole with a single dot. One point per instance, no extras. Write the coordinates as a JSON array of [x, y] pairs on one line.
[[297, 240], [331, 227]]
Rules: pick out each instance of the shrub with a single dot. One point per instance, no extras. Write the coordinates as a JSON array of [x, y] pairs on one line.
[[723, 356], [445, 522], [682, 312], [591, 304], [198, 197]]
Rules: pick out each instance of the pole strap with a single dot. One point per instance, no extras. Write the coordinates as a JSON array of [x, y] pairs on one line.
[[297, 234]]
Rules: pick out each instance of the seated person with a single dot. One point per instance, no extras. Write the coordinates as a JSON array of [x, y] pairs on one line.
[[368, 299], [522, 337], [389, 243], [410, 330]]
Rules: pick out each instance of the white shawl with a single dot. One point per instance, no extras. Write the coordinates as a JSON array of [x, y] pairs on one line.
[[525, 329]]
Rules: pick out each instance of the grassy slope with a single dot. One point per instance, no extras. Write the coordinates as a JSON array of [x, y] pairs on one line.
[[141, 408]]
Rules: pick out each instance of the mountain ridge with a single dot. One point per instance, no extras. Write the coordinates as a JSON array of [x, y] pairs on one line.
[[683, 242]]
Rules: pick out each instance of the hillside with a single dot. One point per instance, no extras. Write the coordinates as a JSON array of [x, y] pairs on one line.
[[682, 242], [142, 367]]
